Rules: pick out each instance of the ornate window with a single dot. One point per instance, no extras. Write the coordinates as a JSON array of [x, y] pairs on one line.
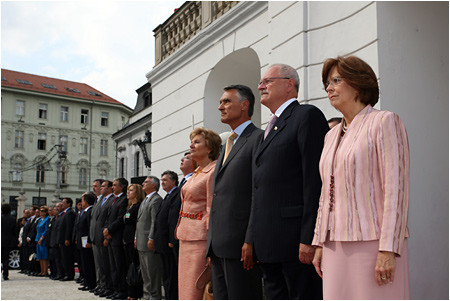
[[43, 111], [103, 147], [103, 169], [42, 141], [18, 142], [83, 145], [18, 161], [83, 168], [64, 140], [40, 173]]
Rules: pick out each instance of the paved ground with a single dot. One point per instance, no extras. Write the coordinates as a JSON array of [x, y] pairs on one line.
[[23, 287]]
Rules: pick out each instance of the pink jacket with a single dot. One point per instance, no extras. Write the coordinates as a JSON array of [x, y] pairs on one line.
[[196, 199], [371, 182]]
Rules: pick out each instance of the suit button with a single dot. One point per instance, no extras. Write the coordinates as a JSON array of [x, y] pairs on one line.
[[215, 194]]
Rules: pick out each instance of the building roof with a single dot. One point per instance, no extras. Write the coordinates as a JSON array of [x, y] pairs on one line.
[[26, 81]]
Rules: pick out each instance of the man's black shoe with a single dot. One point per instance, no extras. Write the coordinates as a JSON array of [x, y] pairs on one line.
[[119, 297], [106, 293], [66, 279]]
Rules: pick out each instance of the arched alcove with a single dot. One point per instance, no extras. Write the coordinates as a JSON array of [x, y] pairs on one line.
[[239, 67]]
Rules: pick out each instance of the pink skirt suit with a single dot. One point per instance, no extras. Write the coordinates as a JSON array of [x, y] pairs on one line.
[[192, 230], [363, 206]]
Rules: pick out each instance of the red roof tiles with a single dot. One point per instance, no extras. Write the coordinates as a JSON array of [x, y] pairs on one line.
[[37, 82]]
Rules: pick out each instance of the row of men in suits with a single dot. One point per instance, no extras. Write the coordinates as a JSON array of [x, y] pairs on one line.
[[27, 242], [266, 194]]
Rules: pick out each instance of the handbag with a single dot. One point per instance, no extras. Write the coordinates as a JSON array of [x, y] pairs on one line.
[[203, 282], [134, 275]]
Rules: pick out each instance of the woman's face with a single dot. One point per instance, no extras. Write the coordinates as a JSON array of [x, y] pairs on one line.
[[43, 213], [340, 94], [131, 193], [198, 148]]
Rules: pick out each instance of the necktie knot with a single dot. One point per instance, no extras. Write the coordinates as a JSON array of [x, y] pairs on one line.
[[269, 127], [229, 145]]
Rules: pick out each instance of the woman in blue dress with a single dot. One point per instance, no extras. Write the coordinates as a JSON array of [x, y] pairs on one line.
[[41, 238]]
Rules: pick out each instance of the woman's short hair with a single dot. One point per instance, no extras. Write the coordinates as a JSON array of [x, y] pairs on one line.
[[140, 194], [356, 73], [212, 141], [45, 209]]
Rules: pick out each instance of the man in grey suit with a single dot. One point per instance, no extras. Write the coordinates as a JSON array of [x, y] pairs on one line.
[[151, 266], [96, 185], [230, 245]]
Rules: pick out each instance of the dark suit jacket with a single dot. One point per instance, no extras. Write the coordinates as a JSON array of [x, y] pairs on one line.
[[174, 214], [286, 184], [232, 198], [9, 231], [161, 238], [101, 214], [50, 231], [130, 223], [114, 222], [82, 228], [65, 226], [26, 230], [55, 230]]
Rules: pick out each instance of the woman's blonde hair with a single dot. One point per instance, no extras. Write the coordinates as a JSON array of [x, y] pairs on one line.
[[140, 195]]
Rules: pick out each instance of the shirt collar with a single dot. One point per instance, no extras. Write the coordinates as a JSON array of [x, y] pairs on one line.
[[150, 194], [281, 109], [186, 177], [172, 189]]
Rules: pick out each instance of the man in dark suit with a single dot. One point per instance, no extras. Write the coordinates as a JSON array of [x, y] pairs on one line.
[[65, 236], [230, 245], [286, 188], [96, 185], [169, 183], [100, 215], [77, 252], [151, 266], [26, 248], [9, 237], [31, 240], [186, 168], [113, 232], [57, 270], [84, 244]]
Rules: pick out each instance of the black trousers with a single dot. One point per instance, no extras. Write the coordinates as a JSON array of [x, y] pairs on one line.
[[170, 275], [67, 258], [232, 282], [88, 266], [5, 261], [291, 280], [105, 269], [132, 255], [117, 267], [52, 262]]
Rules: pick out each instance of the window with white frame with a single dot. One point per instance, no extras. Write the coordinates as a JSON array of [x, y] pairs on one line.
[[83, 177], [18, 141], [64, 141], [84, 116], [64, 115], [103, 147], [40, 173], [104, 119], [20, 108], [83, 145], [43, 111], [42, 141], [17, 172]]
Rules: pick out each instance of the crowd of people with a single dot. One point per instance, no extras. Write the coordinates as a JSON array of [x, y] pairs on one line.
[[303, 210]]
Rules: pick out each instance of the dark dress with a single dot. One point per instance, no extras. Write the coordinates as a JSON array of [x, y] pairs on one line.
[[41, 228], [131, 254]]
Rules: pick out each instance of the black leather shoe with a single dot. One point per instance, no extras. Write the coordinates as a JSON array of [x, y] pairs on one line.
[[120, 297], [95, 289], [106, 293], [66, 279], [83, 288], [110, 296], [99, 292]]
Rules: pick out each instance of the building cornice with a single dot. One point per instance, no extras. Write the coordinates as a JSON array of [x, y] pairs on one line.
[[234, 19]]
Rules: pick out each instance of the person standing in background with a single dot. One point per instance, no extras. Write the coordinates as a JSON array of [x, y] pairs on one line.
[[9, 237]]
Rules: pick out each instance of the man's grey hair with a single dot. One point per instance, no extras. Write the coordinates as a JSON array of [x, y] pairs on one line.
[[154, 180], [288, 71]]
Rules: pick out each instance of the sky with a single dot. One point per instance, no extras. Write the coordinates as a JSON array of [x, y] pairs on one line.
[[108, 45]]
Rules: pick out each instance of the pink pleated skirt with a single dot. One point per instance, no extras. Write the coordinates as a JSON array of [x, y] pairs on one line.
[[192, 262], [349, 272]]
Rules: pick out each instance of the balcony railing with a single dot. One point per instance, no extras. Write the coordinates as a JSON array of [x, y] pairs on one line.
[[185, 23]]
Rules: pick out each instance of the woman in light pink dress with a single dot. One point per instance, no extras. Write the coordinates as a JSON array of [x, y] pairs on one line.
[[196, 198], [361, 226]]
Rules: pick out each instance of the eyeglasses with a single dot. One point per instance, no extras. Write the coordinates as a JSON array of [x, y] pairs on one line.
[[269, 80], [335, 81]]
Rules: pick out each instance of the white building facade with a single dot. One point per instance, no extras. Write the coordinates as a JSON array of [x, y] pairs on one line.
[[205, 46], [48, 122]]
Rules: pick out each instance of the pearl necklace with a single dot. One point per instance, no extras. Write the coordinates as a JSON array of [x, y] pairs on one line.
[[344, 128]]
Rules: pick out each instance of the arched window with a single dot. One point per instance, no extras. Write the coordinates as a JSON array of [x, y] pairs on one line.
[[82, 177]]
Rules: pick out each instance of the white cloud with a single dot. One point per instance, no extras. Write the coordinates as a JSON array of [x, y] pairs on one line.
[[108, 45]]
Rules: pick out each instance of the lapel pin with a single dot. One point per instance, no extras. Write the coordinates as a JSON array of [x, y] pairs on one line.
[[276, 128]]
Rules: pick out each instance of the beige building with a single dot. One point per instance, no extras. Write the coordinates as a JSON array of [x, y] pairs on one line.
[[56, 137]]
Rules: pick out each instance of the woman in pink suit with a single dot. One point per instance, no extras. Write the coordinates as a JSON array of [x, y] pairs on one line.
[[196, 198], [361, 226]]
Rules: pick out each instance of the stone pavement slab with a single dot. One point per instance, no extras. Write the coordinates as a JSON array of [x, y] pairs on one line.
[[23, 287]]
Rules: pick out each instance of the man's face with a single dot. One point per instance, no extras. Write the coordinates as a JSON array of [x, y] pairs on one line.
[[27, 213], [232, 111], [116, 188], [166, 183], [58, 207], [96, 188], [274, 90], [37, 212], [186, 164], [105, 189], [148, 186], [65, 205]]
